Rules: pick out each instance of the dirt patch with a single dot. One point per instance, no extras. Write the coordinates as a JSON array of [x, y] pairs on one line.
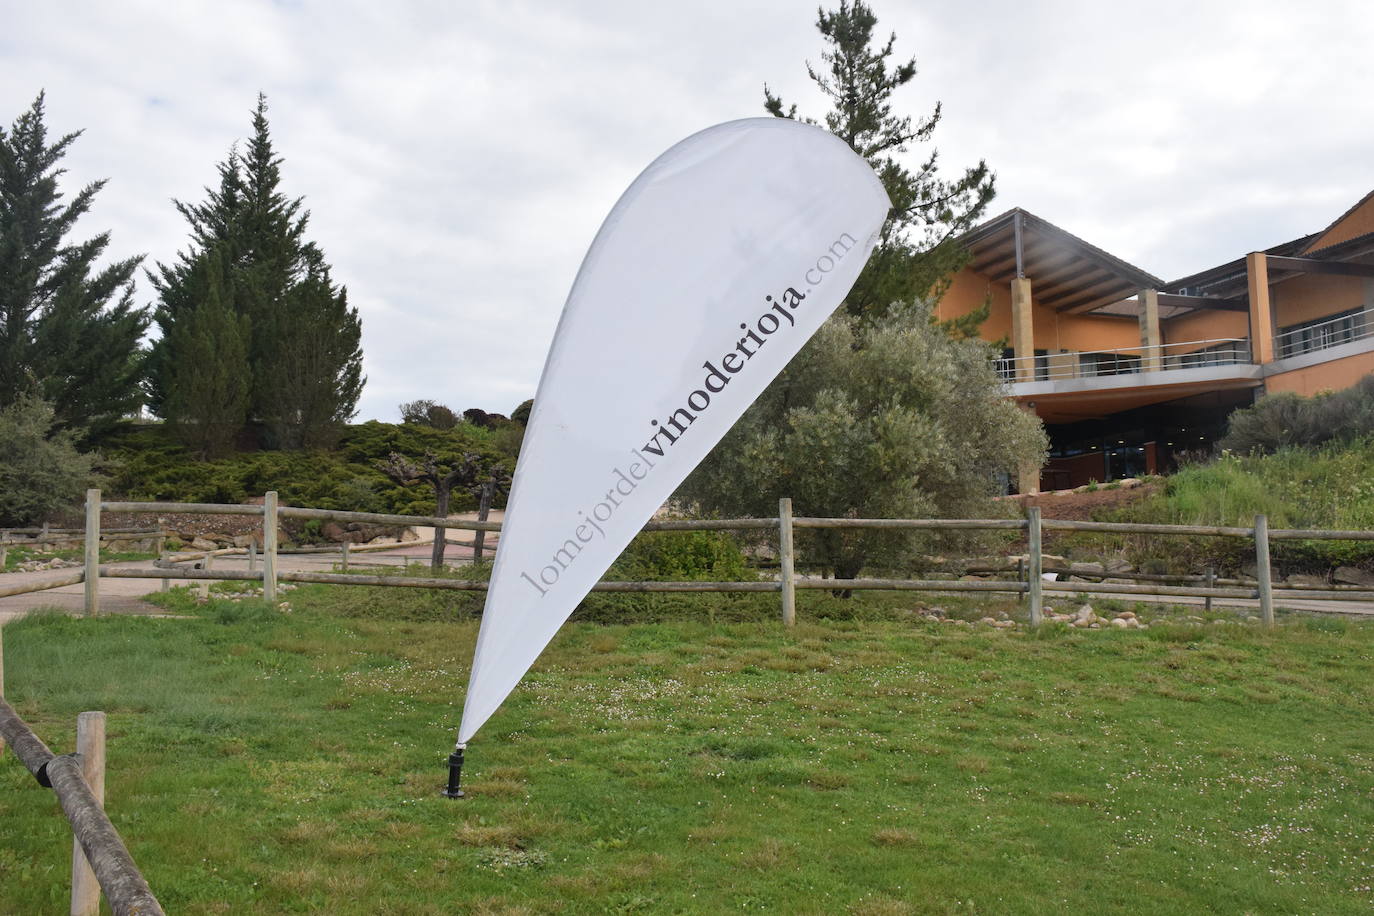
[[1079, 506]]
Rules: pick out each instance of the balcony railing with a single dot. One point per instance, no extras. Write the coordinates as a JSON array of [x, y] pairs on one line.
[[1190, 354], [1321, 335]]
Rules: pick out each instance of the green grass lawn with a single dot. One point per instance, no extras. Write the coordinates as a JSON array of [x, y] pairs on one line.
[[270, 762]]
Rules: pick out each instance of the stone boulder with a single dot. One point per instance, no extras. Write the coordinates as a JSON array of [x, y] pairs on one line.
[[1350, 575]]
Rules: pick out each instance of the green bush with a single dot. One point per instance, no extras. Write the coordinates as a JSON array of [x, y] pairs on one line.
[[41, 469], [1284, 420], [152, 465], [690, 556], [1331, 486]]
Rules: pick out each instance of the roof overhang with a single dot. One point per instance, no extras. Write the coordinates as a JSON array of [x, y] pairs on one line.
[[1066, 273]]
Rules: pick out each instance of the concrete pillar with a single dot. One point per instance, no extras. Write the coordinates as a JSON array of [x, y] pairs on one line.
[[1022, 329], [1261, 315], [1150, 354]]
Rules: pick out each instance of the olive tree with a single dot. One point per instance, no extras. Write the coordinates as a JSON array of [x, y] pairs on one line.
[[41, 470], [890, 418]]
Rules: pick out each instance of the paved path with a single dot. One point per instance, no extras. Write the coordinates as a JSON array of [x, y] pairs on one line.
[[122, 596]]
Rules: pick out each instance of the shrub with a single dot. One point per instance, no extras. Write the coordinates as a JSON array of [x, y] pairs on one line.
[[1285, 419], [41, 470], [1331, 486]]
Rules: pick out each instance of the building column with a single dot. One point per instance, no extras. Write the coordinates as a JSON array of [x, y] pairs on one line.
[[1261, 315], [1022, 329], [1149, 330]]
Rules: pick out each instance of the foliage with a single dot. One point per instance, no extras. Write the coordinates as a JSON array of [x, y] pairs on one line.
[[1286, 419], [304, 340], [916, 253], [153, 465], [1330, 486], [69, 330], [41, 470], [208, 384], [430, 413], [886, 418], [695, 768], [684, 556], [469, 472], [521, 413]]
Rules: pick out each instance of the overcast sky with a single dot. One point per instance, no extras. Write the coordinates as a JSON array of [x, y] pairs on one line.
[[458, 158]]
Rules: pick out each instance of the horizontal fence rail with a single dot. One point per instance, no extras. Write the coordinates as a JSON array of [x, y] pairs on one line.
[[100, 842], [1031, 581]]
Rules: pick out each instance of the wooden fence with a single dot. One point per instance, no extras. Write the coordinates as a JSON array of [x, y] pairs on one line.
[[1030, 582], [100, 860]]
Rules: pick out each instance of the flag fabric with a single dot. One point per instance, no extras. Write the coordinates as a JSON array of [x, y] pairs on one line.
[[709, 274]]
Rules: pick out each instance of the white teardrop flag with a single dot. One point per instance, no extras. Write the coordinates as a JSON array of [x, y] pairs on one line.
[[712, 270]]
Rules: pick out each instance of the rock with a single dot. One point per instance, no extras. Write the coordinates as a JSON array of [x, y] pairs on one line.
[[1005, 624], [1120, 623], [1350, 575], [1119, 566], [1087, 569], [200, 543], [988, 620], [1084, 615], [1300, 579], [1126, 615], [1131, 623], [1128, 483]]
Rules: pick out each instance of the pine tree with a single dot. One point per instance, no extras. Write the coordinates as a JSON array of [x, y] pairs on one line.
[[69, 331], [304, 340], [916, 253]]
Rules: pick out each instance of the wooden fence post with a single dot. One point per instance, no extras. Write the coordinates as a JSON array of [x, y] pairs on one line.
[[1262, 571], [1034, 580], [269, 546], [343, 563], [785, 559], [252, 555], [1211, 583], [208, 565], [90, 744], [92, 552]]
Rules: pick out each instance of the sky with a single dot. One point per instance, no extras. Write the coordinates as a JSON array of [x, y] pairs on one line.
[[458, 158]]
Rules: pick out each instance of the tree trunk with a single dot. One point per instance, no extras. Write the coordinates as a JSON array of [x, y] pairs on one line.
[[483, 509], [441, 494]]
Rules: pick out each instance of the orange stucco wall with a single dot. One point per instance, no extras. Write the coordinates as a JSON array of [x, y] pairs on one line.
[[1053, 331], [1204, 324], [1332, 376], [1358, 221], [1311, 296]]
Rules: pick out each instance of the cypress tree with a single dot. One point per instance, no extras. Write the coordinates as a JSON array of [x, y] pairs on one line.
[[916, 253], [208, 383], [69, 331], [304, 340]]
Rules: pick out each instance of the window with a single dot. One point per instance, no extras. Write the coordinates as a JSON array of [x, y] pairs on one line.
[[1095, 364], [1307, 336]]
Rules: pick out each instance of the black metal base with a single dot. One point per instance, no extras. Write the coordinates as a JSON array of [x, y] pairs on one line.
[[455, 774]]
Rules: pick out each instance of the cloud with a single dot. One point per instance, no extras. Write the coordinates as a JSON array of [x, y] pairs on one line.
[[458, 159]]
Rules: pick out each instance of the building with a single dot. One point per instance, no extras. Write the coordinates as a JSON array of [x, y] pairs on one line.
[[1129, 372]]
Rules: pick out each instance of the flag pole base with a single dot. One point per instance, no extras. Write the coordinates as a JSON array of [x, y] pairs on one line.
[[455, 773]]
